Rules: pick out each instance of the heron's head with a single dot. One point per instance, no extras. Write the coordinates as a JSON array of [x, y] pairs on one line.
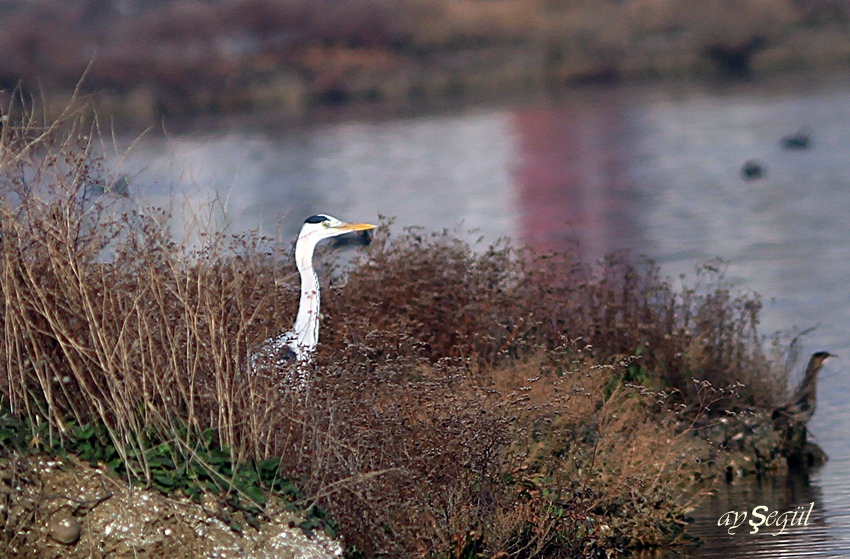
[[820, 358], [322, 226]]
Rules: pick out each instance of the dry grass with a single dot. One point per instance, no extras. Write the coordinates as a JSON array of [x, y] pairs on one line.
[[463, 403], [106, 318]]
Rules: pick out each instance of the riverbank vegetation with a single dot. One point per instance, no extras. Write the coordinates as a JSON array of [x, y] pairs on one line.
[[146, 59], [464, 403]]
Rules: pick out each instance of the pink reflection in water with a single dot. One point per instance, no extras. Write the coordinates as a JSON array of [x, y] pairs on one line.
[[571, 178]]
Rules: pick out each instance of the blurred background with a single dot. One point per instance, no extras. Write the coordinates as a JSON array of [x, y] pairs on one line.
[[677, 129]]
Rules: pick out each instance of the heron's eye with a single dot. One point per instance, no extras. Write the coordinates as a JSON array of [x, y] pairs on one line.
[[326, 224]]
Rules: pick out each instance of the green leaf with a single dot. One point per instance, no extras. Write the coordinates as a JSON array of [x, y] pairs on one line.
[[207, 436], [269, 467], [165, 480], [256, 494], [83, 433]]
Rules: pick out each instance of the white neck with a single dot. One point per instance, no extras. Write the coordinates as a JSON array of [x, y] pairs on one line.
[[307, 321]]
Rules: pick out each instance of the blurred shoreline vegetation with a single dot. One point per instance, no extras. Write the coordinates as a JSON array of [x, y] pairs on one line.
[[147, 59], [465, 403]]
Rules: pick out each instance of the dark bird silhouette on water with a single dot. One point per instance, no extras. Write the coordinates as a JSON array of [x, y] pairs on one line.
[[798, 140], [735, 61], [752, 170], [791, 418]]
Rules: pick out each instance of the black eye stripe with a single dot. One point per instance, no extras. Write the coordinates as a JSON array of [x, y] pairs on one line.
[[316, 219]]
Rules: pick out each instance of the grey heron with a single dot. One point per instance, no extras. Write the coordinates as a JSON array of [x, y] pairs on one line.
[[299, 343]]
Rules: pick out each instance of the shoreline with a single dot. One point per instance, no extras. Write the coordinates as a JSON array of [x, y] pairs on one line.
[[219, 59], [467, 76]]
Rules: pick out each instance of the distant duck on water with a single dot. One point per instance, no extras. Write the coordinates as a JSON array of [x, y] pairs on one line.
[[801, 139], [752, 170]]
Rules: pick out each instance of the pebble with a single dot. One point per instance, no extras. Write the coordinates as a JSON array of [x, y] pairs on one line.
[[64, 529]]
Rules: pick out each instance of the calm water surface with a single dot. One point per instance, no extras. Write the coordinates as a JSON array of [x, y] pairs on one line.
[[652, 169]]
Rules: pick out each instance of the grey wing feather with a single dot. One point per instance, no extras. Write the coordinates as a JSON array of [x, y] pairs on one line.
[[277, 351]]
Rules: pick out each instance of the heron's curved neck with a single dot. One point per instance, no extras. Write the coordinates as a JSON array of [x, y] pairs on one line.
[[307, 321], [807, 387]]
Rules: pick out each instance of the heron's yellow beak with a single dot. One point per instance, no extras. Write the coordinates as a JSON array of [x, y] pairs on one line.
[[355, 226]]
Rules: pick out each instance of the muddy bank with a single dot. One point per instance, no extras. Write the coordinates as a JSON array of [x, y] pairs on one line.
[[65, 508]]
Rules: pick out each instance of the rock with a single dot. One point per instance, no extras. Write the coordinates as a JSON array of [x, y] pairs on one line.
[[756, 440], [64, 528]]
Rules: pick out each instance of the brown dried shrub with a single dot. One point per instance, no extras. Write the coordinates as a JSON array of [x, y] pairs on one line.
[[497, 304], [462, 402]]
